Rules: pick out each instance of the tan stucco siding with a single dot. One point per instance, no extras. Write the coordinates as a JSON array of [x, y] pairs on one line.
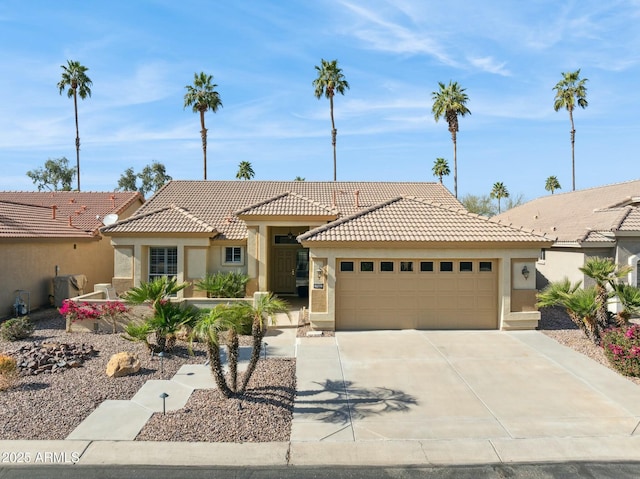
[[559, 264], [30, 266], [501, 255]]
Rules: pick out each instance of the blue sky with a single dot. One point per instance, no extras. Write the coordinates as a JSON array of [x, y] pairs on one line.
[[141, 54]]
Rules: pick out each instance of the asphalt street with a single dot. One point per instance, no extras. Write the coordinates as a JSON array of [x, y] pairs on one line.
[[570, 470]]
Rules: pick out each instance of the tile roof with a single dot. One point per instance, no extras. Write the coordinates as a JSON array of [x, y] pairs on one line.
[[288, 204], [410, 219], [19, 220], [170, 219], [216, 202], [86, 208], [572, 217]]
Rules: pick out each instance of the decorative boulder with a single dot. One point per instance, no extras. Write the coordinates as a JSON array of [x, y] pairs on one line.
[[123, 364]]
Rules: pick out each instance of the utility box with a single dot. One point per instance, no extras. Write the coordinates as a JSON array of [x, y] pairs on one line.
[[68, 286]]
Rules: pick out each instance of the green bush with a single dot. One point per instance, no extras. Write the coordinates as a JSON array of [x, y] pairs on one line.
[[622, 349], [17, 328], [231, 284]]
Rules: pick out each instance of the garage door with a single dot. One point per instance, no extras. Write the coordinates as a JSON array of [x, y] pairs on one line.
[[416, 294]]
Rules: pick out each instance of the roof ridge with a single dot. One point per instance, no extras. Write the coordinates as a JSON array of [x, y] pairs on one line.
[[137, 217], [261, 203], [348, 218], [192, 217]]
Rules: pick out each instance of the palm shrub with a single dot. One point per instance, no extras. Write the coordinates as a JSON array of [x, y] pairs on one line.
[[629, 297], [17, 328], [580, 304], [231, 284], [167, 317], [606, 274], [622, 349]]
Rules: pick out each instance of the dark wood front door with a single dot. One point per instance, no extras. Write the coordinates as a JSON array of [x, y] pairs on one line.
[[284, 270]]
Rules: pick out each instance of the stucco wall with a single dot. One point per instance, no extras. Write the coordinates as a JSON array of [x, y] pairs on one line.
[[558, 264], [31, 266], [508, 319]]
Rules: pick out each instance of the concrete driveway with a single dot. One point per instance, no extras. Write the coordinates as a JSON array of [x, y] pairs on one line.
[[459, 396]]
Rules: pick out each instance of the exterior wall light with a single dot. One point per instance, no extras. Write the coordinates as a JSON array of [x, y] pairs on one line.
[[525, 272]]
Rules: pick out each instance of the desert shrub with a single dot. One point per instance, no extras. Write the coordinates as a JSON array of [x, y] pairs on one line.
[[112, 311], [8, 372], [622, 349], [17, 328]]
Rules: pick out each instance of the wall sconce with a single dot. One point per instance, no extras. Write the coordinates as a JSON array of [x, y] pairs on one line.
[[525, 272], [320, 271]]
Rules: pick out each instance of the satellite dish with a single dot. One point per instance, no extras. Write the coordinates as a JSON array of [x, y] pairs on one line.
[[108, 220]]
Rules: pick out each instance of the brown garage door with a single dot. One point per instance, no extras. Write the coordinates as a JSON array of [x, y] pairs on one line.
[[416, 294]]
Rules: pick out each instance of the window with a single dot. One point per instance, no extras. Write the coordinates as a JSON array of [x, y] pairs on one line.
[[466, 266], [346, 266], [486, 266], [406, 266], [163, 262], [543, 255], [426, 266], [366, 266], [386, 265], [233, 255], [446, 266]]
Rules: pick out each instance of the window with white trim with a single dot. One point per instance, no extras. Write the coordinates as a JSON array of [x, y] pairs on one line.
[[163, 262], [233, 255]]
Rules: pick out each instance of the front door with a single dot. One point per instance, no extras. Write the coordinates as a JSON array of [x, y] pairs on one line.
[[284, 271]]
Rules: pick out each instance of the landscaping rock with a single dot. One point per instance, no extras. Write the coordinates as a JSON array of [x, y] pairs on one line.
[[123, 364], [38, 358]]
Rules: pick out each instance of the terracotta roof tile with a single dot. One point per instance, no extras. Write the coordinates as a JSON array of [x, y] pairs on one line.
[[19, 220], [288, 204], [632, 221], [570, 217], [171, 219], [414, 219], [85, 208], [214, 202]]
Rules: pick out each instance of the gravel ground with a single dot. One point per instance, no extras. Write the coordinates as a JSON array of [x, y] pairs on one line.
[[556, 324], [50, 406]]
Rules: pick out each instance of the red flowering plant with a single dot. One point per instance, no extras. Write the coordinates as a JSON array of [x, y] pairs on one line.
[[112, 311], [622, 349], [73, 312]]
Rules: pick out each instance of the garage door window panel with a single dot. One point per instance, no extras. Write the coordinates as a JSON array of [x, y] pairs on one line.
[[366, 266], [466, 266], [406, 266], [446, 266], [386, 266], [426, 266], [486, 266], [346, 266]]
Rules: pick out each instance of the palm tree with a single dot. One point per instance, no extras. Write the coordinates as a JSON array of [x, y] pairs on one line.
[[449, 103], [299, 178], [552, 184], [440, 168], [606, 273], [571, 91], [330, 80], [74, 76], [264, 308], [245, 171], [202, 96], [499, 191]]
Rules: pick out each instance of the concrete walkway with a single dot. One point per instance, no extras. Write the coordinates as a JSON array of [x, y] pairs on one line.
[[405, 398]]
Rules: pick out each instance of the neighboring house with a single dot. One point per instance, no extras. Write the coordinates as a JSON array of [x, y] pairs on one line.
[[369, 255], [44, 234], [602, 221]]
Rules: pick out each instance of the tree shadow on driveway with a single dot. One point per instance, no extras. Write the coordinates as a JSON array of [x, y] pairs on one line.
[[341, 401]]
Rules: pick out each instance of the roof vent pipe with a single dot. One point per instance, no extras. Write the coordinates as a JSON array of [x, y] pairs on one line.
[[70, 222], [53, 211], [356, 194]]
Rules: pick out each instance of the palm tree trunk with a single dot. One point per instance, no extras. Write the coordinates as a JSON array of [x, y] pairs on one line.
[[216, 369], [75, 104], [573, 154], [334, 133], [455, 163], [232, 349], [203, 134], [258, 335]]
